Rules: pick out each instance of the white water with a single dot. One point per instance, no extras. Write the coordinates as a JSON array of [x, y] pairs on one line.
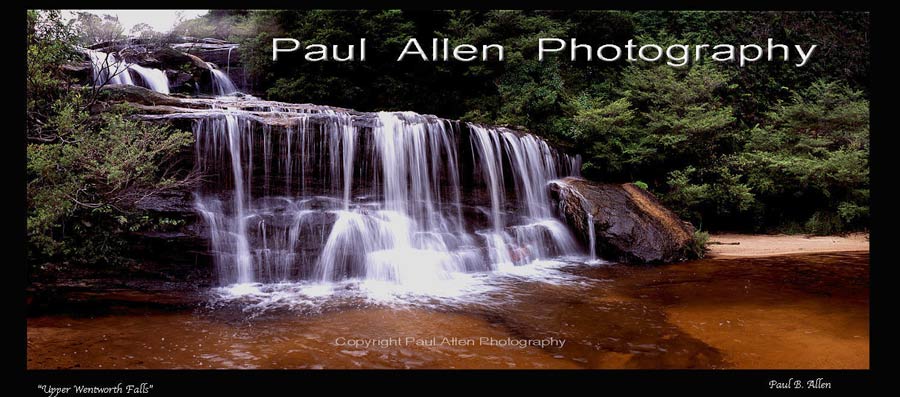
[[479, 288], [564, 191], [154, 79], [592, 236], [221, 83], [108, 69], [327, 197], [228, 62]]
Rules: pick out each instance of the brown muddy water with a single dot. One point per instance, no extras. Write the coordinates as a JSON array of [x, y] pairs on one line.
[[784, 312]]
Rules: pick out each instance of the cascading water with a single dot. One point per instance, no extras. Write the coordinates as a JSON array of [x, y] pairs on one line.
[[592, 236], [228, 61], [589, 222], [154, 79], [221, 83], [108, 69], [323, 195]]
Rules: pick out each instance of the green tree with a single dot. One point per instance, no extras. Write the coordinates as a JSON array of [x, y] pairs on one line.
[[94, 29], [144, 31], [809, 161]]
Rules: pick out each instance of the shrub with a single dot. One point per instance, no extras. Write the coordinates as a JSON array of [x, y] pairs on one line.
[[696, 248]]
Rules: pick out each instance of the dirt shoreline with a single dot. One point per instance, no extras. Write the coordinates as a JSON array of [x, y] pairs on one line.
[[728, 245]]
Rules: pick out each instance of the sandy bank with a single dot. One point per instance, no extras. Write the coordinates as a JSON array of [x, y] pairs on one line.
[[750, 245]]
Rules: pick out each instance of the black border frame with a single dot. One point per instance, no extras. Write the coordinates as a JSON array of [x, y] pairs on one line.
[[290, 382]]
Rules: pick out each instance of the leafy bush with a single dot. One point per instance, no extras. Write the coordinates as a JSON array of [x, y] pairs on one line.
[[697, 249], [823, 223], [98, 171], [809, 162]]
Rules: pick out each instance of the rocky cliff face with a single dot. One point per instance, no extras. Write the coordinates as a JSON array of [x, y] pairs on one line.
[[630, 223]]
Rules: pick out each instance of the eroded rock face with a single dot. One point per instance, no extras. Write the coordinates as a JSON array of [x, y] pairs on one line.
[[630, 224], [225, 56]]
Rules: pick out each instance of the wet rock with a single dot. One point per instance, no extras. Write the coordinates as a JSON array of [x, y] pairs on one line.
[[630, 224], [140, 55], [142, 96], [180, 242], [109, 46], [212, 40], [181, 79], [171, 58], [168, 202], [81, 71], [186, 72], [220, 53]]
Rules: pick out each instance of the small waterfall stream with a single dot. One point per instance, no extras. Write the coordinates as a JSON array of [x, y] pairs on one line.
[[592, 236], [221, 83]]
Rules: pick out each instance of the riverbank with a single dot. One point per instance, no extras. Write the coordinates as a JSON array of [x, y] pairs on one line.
[[728, 245]]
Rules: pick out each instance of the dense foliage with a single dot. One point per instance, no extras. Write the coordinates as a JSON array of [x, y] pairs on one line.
[[86, 171], [766, 147]]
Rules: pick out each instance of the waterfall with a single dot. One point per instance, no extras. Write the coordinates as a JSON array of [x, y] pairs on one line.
[[221, 83], [325, 195], [592, 236], [154, 79], [229, 235], [108, 69], [565, 190], [228, 61]]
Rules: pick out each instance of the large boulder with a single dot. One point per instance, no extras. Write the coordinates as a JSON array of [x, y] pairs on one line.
[[186, 72], [630, 224]]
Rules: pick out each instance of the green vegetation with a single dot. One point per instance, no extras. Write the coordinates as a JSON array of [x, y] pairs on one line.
[[94, 29], [223, 24], [768, 147], [697, 247], [86, 172], [91, 29]]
